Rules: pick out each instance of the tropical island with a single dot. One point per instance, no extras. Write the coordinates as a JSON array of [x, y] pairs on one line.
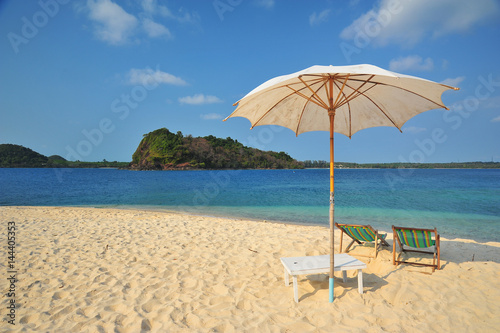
[[164, 150]]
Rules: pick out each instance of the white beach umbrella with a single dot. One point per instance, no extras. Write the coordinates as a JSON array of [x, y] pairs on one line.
[[341, 99]]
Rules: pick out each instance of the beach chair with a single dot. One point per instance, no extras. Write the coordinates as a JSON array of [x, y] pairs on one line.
[[416, 239], [361, 234]]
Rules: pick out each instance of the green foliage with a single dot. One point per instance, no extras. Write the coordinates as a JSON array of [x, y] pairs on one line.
[[56, 158], [80, 164], [15, 156], [464, 165], [161, 149]]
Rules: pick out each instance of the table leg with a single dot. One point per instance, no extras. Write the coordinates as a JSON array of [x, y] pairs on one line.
[[295, 289], [344, 276], [360, 281]]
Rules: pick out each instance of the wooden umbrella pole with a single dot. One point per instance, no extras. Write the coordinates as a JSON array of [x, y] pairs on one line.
[[332, 204], [331, 115]]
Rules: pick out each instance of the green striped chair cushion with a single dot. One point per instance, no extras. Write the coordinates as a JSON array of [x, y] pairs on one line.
[[416, 238], [361, 233]]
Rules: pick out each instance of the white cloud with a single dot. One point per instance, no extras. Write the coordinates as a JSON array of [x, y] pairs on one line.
[[154, 29], [149, 77], [151, 8], [268, 4], [199, 99], [113, 24], [414, 130], [412, 63], [211, 116], [317, 19], [407, 22], [453, 82], [496, 120]]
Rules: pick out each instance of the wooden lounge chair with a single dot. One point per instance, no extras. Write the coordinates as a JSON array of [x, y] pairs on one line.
[[361, 234], [416, 239]]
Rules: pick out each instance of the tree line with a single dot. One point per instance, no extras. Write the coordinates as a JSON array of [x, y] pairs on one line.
[[397, 165]]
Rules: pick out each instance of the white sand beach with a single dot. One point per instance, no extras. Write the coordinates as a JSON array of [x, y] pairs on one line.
[[111, 270]]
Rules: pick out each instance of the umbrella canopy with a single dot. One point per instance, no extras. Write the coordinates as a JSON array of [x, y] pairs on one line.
[[342, 99]]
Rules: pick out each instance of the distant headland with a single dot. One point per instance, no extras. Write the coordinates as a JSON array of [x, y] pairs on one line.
[[16, 156]]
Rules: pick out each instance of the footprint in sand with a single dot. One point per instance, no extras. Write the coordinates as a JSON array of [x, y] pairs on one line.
[[87, 312], [60, 295], [117, 308], [146, 325], [151, 306], [28, 319], [220, 289], [189, 283], [62, 313]]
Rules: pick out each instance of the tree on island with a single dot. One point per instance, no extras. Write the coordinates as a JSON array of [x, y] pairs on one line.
[[164, 150], [15, 156]]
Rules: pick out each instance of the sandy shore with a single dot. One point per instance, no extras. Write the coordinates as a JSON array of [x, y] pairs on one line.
[[107, 270]]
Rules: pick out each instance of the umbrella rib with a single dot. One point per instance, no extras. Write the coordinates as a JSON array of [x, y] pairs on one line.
[[300, 119], [308, 98], [408, 91], [414, 93], [362, 93], [303, 110], [340, 102], [341, 92], [314, 98], [350, 120], [346, 101], [297, 92], [397, 87], [356, 91], [385, 114], [270, 109], [392, 86], [314, 93], [274, 88], [327, 92]]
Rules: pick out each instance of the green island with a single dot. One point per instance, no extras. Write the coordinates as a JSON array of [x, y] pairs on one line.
[[16, 156], [164, 150]]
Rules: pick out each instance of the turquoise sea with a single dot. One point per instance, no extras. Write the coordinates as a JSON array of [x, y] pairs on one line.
[[460, 203]]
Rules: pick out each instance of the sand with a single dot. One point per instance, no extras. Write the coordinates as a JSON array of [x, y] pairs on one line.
[[111, 270]]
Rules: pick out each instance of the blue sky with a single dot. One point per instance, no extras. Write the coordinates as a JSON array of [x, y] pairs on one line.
[[86, 79]]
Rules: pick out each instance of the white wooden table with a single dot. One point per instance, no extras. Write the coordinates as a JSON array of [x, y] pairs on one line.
[[320, 264]]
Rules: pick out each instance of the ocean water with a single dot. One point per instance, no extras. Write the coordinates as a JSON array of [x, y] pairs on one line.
[[460, 203]]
